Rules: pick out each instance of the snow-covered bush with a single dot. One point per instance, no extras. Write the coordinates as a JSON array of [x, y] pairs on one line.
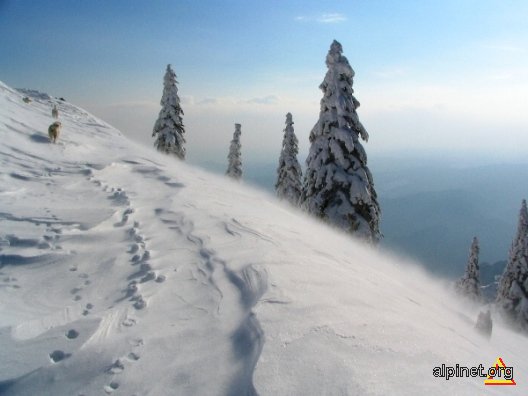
[[338, 185], [169, 129]]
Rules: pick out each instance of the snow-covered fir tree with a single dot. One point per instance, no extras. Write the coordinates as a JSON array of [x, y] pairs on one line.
[[289, 186], [234, 166], [338, 185], [469, 284], [169, 129], [512, 293]]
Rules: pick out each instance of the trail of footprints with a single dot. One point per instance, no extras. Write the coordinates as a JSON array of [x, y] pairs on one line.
[[142, 273]]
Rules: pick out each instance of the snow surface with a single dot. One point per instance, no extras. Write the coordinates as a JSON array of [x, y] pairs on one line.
[[124, 271]]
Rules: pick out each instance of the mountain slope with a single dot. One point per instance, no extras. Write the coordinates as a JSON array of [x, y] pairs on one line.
[[123, 271]]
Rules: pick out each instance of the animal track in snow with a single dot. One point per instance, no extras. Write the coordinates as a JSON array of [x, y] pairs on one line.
[[128, 322], [119, 197], [133, 356], [116, 368], [139, 302], [137, 249], [72, 334], [124, 219], [87, 309], [111, 387], [58, 355]]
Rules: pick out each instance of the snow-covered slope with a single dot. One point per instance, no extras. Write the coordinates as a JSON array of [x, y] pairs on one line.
[[123, 271]]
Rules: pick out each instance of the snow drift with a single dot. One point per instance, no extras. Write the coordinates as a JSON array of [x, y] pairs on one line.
[[125, 271]]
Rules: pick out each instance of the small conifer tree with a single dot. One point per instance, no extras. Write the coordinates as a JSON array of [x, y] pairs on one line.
[[289, 186], [169, 129], [469, 284], [234, 167]]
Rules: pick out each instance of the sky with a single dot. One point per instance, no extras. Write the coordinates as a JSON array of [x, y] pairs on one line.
[[433, 77]]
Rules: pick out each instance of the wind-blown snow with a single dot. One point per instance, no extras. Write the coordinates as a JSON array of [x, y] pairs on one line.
[[124, 271]]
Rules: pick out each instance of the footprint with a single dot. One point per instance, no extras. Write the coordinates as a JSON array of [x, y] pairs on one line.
[[58, 355], [129, 322], [111, 387], [124, 218], [87, 309], [161, 278], [150, 276], [116, 367], [134, 248], [137, 342], [72, 333], [131, 289], [77, 298], [133, 356], [139, 302]]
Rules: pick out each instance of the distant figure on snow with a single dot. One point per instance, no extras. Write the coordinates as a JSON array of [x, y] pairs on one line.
[[484, 324], [54, 131], [55, 112], [26, 99]]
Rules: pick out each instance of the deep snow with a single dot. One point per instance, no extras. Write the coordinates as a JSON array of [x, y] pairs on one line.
[[124, 271]]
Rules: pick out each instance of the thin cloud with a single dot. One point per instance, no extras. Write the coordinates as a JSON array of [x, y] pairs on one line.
[[330, 17], [208, 101], [504, 47], [265, 100]]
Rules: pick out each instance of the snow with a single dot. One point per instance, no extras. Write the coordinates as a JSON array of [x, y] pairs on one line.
[[124, 271]]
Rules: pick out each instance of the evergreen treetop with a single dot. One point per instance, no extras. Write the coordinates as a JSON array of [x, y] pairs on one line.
[[169, 129]]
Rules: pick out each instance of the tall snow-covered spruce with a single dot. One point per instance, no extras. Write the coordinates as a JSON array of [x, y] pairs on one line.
[[338, 185], [234, 166], [289, 186], [469, 284], [169, 129], [512, 293]]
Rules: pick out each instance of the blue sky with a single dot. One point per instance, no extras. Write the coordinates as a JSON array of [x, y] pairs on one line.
[[432, 76]]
